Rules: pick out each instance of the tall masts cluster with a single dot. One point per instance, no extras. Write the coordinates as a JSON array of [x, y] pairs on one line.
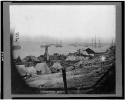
[[94, 42]]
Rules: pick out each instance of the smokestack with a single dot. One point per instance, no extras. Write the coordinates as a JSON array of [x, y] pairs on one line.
[[46, 54]]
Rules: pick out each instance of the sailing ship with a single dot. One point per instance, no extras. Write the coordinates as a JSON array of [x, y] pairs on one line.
[[43, 46], [95, 41], [86, 45], [59, 45], [75, 45], [99, 43]]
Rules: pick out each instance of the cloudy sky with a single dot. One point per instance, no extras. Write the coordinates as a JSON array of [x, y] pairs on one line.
[[63, 22]]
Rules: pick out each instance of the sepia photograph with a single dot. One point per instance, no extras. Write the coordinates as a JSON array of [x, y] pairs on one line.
[[58, 49]]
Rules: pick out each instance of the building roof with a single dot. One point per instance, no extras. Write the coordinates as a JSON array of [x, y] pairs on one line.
[[90, 51], [84, 53]]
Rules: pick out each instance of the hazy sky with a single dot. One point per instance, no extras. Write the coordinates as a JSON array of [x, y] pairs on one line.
[[66, 22]]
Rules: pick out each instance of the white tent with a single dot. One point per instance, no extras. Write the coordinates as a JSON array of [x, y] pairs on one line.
[[31, 70], [22, 70], [71, 58], [26, 70], [43, 68], [56, 65]]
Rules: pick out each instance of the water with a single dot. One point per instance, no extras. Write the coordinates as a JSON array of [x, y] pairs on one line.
[[35, 50]]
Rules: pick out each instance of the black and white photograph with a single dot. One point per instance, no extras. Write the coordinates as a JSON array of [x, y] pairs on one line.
[[54, 45], [61, 49]]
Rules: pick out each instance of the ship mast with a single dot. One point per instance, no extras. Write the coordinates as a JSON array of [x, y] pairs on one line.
[[99, 42], [92, 42], [95, 41]]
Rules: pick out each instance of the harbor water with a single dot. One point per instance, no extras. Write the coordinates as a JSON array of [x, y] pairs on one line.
[[36, 50]]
